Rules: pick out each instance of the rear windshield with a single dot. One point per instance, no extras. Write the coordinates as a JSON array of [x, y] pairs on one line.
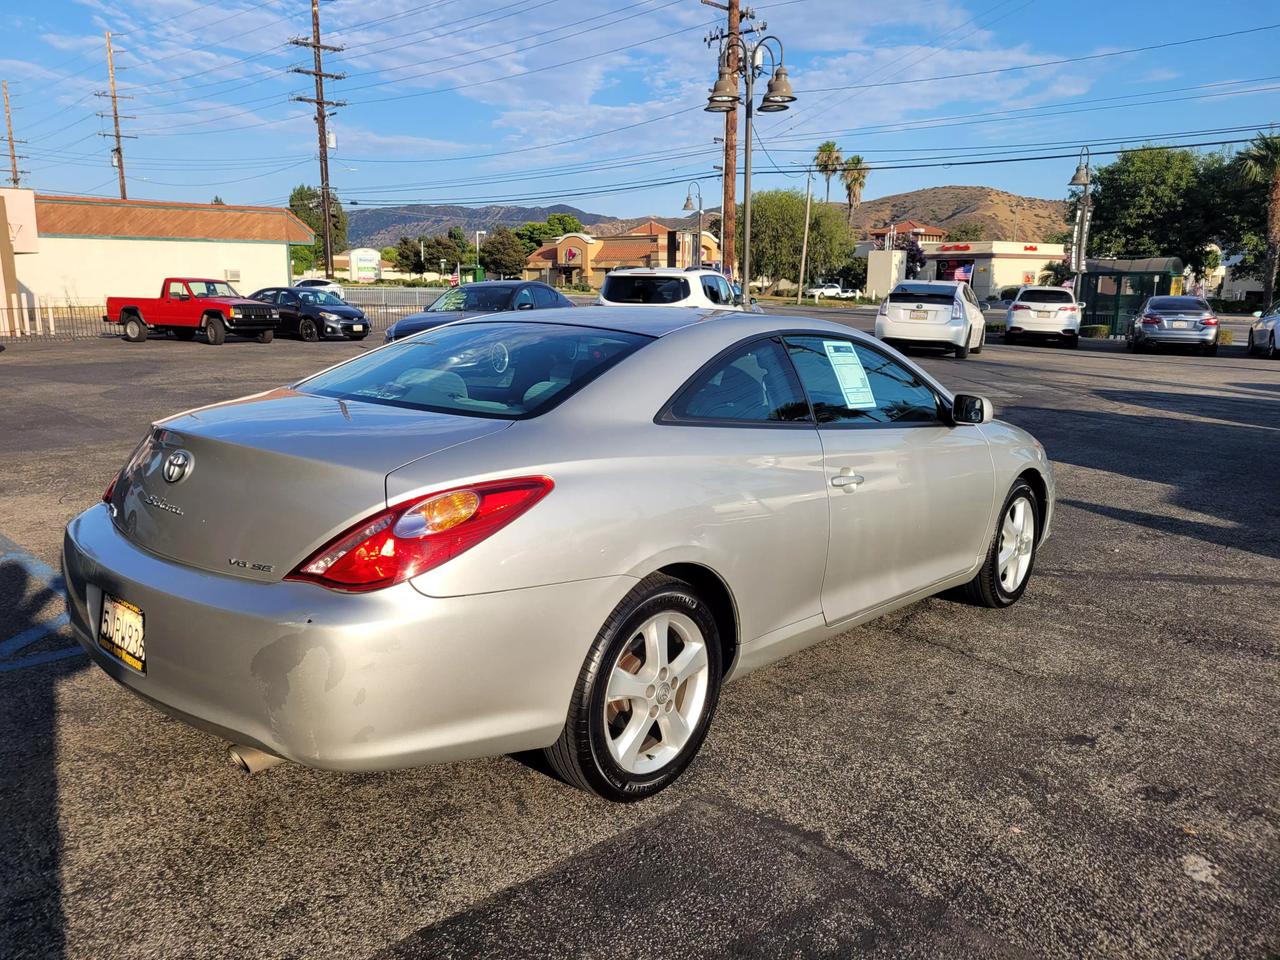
[[628, 289], [506, 370], [922, 293], [1178, 305], [1046, 296]]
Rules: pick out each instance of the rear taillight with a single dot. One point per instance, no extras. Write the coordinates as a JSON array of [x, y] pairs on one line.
[[111, 489], [419, 535], [957, 310], [1066, 309], [1151, 320], [1209, 322], [1019, 306], [884, 307]]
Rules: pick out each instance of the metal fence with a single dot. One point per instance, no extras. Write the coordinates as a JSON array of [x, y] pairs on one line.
[[50, 322], [383, 306]]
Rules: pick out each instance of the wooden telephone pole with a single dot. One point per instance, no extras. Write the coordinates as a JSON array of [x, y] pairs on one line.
[[117, 152], [729, 201], [322, 106], [14, 172]]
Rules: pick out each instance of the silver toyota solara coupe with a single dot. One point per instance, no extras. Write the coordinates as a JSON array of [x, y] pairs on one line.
[[560, 531]]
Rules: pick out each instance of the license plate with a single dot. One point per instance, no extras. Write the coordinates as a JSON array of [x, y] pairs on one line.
[[358, 327], [120, 633], [1178, 324], [1043, 315], [919, 314]]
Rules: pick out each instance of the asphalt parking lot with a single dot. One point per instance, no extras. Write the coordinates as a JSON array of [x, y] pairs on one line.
[[1094, 772]]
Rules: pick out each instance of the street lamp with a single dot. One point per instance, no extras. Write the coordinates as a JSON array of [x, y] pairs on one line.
[[1080, 233], [724, 97], [479, 234], [688, 206]]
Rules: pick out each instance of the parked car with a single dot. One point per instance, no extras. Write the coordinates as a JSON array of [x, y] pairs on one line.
[[668, 287], [823, 290], [933, 313], [848, 294], [188, 305], [557, 530], [1263, 334], [1174, 321], [1002, 305], [488, 296], [315, 314], [319, 283], [1043, 312]]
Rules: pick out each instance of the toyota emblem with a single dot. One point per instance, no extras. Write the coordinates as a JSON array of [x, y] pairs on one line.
[[177, 466]]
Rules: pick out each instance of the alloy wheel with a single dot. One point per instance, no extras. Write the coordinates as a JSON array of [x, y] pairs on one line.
[[1017, 538], [656, 693]]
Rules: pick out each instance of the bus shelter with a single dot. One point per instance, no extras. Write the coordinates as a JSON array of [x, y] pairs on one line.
[[1114, 290]]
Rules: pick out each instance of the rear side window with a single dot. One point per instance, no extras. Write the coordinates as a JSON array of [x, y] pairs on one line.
[[544, 297], [1046, 296], [712, 289], [855, 384], [625, 288], [921, 293], [753, 384], [504, 370]]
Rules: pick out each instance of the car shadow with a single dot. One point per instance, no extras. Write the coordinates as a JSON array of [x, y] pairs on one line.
[[31, 916], [1195, 462]]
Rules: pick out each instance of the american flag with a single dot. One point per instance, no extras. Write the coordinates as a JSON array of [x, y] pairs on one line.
[[965, 273], [455, 277]]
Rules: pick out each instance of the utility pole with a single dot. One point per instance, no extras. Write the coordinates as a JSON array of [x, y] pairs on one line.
[[729, 201], [804, 244], [117, 152], [322, 106], [8, 125]]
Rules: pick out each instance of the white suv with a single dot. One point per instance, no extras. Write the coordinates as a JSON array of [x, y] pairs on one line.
[[668, 287], [1043, 312]]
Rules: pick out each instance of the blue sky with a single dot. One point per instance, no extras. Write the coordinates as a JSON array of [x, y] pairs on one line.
[[545, 101]]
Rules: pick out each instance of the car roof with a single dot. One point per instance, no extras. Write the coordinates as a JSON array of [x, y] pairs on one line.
[[653, 271], [650, 322], [1038, 287], [949, 284]]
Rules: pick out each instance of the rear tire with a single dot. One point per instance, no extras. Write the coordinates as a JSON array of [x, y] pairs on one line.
[[625, 739], [265, 336], [1248, 347], [982, 341], [1010, 337], [1073, 343], [307, 330], [215, 331], [185, 334], [1271, 347], [1211, 350], [1011, 556], [135, 331], [962, 351]]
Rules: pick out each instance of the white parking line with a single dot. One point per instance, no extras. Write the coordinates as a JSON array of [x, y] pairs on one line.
[[43, 576]]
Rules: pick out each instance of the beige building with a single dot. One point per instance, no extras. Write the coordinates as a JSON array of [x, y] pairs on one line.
[[81, 250], [990, 265], [582, 258]]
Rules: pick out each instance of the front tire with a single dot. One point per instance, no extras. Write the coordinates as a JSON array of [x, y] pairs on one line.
[[266, 336], [135, 331], [645, 696], [307, 330], [1012, 554], [215, 331]]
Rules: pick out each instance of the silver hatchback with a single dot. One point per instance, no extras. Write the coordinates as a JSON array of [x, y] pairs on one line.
[[1174, 321], [560, 530]]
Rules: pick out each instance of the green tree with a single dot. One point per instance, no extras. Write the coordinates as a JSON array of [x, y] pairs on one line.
[[853, 275], [438, 248], [217, 201], [388, 254], [407, 256], [534, 233], [854, 177], [503, 253], [563, 223], [915, 259], [304, 201], [1259, 164], [966, 232], [828, 161], [777, 225]]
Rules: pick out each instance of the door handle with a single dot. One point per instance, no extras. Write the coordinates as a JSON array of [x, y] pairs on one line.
[[847, 480]]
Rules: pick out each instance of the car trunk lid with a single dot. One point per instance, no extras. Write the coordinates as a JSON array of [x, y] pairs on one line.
[[250, 487]]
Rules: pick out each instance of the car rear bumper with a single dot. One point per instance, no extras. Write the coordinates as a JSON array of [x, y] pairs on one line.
[[1190, 337], [920, 331], [1052, 327], [371, 681]]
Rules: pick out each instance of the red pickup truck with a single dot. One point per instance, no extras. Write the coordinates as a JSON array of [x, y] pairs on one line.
[[188, 304]]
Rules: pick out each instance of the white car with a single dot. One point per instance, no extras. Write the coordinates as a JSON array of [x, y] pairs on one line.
[[823, 290], [1264, 335], [932, 313], [668, 287], [1044, 312], [320, 283]]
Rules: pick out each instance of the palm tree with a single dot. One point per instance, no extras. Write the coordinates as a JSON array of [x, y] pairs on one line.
[[1260, 163], [828, 160], [854, 177]]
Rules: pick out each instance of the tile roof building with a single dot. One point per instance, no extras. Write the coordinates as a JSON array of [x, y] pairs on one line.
[[577, 258]]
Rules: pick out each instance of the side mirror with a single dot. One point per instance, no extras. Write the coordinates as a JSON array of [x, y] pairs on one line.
[[524, 306], [1082, 305], [1258, 314], [970, 408]]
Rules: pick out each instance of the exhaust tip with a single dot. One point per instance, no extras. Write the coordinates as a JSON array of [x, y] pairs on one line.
[[251, 760]]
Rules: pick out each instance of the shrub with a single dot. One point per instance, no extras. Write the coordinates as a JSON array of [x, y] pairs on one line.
[[1225, 337], [1095, 331]]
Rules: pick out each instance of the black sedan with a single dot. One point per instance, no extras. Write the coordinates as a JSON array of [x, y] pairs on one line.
[[315, 314], [488, 296]]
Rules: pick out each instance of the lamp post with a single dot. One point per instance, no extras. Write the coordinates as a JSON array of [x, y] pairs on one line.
[[724, 97], [688, 206], [804, 244], [1080, 234], [479, 234]]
